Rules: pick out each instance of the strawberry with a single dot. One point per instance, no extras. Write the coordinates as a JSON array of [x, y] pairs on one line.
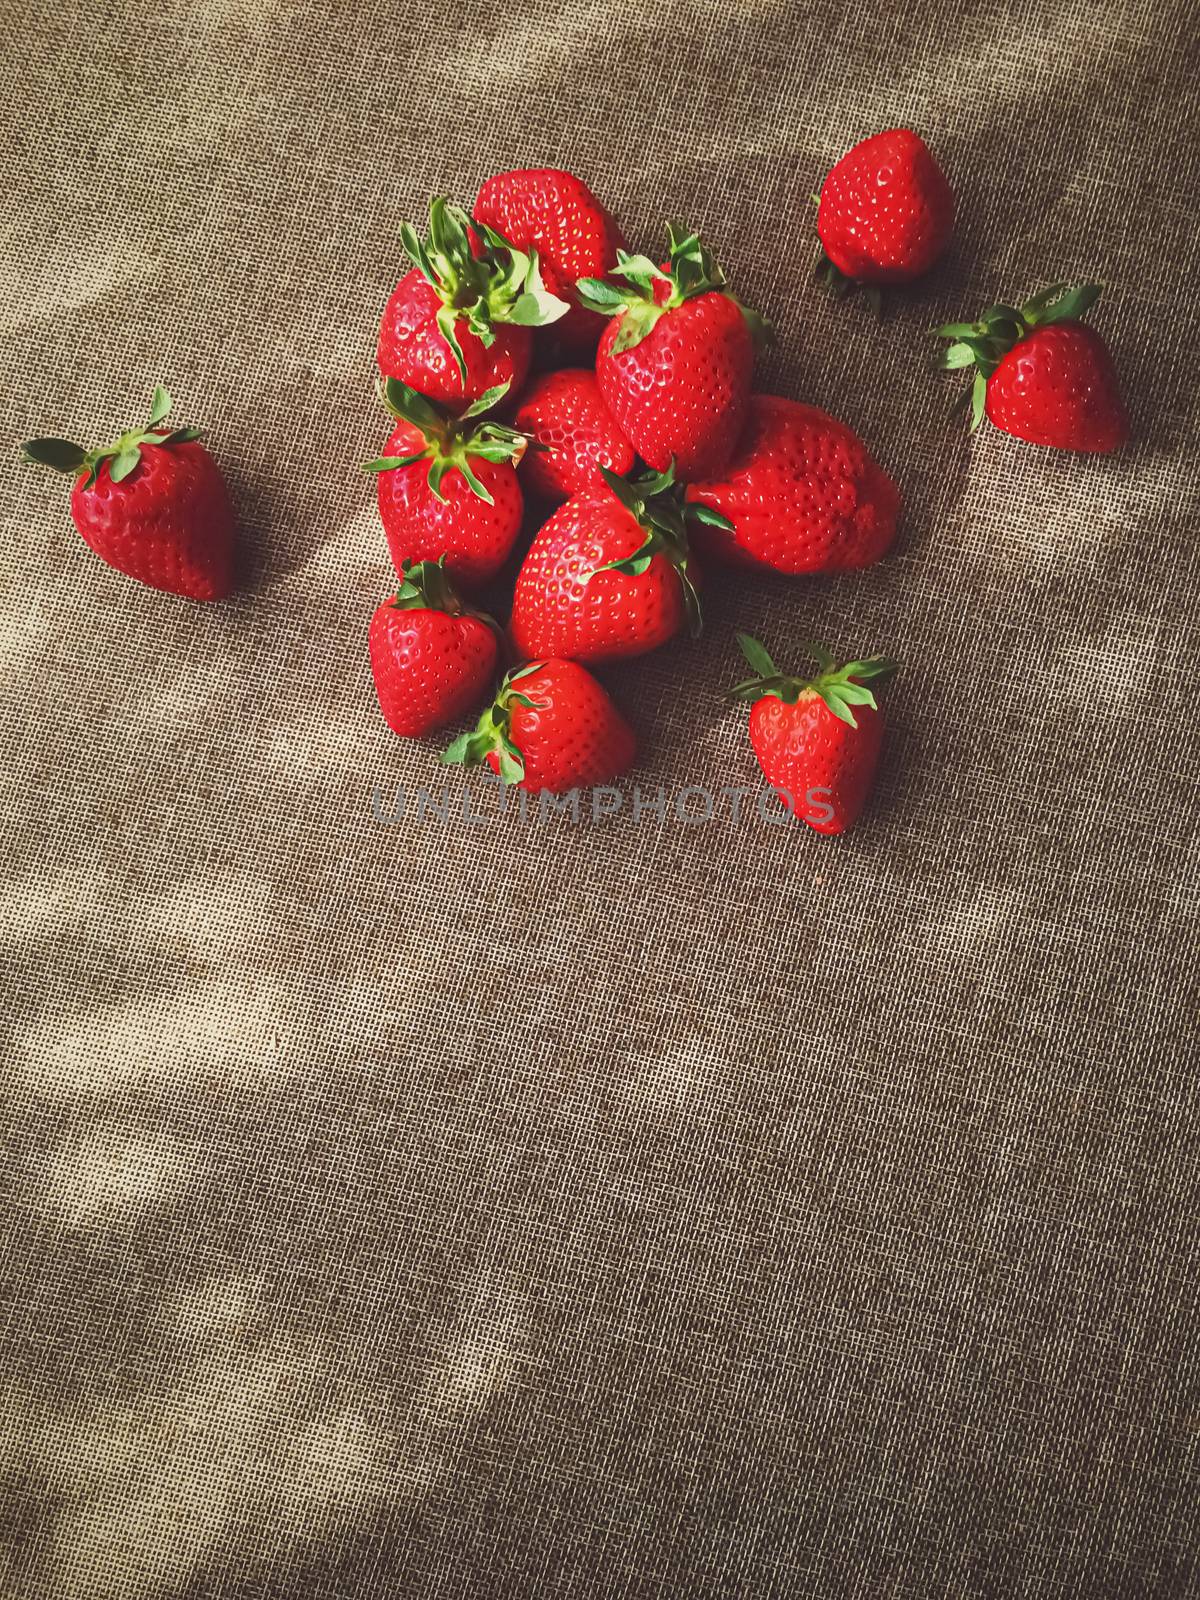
[[813, 750], [458, 325], [565, 413], [675, 363], [558, 216], [802, 494], [153, 504], [551, 726], [448, 485], [1040, 374], [886, 212], [432, 659], [609, 575]]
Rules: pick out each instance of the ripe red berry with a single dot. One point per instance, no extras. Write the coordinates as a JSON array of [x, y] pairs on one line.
[[153, 504], [564, 412], [432, 658], [1040, 374], [550, 727], [676, 362], [555, 214], [801, 495], [459, 324], [886, 212], [448, 485], [817, 740], [609, 575]]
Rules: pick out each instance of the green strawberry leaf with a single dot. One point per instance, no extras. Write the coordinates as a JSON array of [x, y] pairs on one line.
[[512, 763], [1036, 304], [606, 298], [638, 269], [461, 750], [1070, 306], [958, 355], [636, 324], [473, 483], [446, 320], [160, 405], [486, 401], [708, 514], [124, 462], [756, 655], [450, 240], [414, 248], [632, 566], [390, 463], [60, 454], [411, 406], [439, 466], [839, 708], [857, 694], [871, 667], [1000, 313], [536, 307], [978, 400]]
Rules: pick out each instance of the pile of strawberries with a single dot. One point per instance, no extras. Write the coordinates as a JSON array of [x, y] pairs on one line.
[[539, 373], [531, 361]]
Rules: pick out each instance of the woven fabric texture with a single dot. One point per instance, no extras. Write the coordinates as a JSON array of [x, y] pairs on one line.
[[392, 1206]]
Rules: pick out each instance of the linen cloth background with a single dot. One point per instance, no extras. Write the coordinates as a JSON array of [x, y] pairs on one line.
[[517, 1210]]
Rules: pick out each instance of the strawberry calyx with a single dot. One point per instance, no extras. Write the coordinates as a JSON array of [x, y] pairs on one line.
[[493, 731], [451, 442], [985, 343], [426, 586], [650, 291], [841, 688], [656, 503], [837, 282], [122, 454], [481, 278]]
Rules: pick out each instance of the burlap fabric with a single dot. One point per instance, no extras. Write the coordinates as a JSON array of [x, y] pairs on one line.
[[515, 1209]]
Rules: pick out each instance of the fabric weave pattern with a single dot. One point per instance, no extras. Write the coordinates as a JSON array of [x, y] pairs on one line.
[[534, 1209]]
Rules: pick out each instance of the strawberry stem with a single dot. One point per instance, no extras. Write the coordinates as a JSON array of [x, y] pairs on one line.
[[656, 503], [124, 453], [691, 271], [451, 442], [841, 688], [479, 289], [493, 731]]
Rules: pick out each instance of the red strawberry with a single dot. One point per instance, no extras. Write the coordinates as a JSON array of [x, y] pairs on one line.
[[153, 505], [675, 363], [812, 747], [555, 214], [459, 324], [432, 658], [802, 494], [550, 727], [565, 412], [609, 575], [1040, 374], [886, 212], [448, 485]]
